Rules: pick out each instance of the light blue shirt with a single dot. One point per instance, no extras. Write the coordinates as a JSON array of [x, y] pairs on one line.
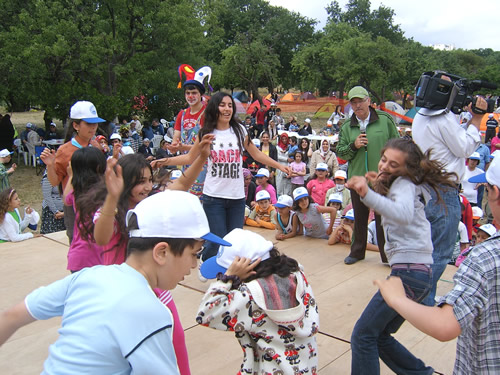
[[112, 323]]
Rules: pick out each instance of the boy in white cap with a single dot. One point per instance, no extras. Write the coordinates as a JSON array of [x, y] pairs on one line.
[[470, 189], [262, 181], [340, 178], [343, 233], [5, 157], [263, 215], [266, 300], [470, 309], [288, 224], [112, 322]]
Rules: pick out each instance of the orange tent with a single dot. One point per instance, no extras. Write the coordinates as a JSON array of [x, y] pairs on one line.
[[289, 97], [256, 103]]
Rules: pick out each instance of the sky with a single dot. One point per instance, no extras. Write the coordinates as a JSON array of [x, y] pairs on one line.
[[466, 24]]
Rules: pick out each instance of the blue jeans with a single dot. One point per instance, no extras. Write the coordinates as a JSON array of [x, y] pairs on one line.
[[372, 335], [444, 218], [223, 216]]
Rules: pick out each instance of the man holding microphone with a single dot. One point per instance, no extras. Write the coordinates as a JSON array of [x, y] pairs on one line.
[[361, 139]]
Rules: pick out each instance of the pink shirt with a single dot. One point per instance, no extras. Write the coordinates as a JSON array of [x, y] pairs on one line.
[[115, 251], [271, 190], [298, 167], [494, 141], [317, 189], [81, 253]]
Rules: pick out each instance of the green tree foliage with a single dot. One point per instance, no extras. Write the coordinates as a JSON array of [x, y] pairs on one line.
[[107, 52]]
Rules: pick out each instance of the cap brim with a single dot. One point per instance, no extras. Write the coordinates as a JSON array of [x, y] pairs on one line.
[[479, 178], [280, 205], [216, 239], [195, 83], [334, 201], [93, 120], [261, 175], [321, 169], [347, 217], [300, 196], [210, 268]]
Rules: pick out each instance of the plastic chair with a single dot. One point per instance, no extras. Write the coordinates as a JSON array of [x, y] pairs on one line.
[[38, 163], [20, 150]]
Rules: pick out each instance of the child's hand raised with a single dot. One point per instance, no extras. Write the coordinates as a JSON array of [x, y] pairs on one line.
[[242, 267], [48, 156], [113, 178], [358, 184], [205, 144]]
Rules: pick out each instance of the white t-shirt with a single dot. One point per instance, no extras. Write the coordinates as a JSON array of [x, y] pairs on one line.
[[468, 187], [225, 167], [112, 323]]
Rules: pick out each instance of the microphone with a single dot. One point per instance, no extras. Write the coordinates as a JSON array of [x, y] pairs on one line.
[[362, 129]]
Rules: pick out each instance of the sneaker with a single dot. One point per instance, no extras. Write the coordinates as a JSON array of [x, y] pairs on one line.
[[351, 260], [200, 276]]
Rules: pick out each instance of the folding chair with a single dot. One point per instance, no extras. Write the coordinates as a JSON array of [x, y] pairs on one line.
[[38, 163]]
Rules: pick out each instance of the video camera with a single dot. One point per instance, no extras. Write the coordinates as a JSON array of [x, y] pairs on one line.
[[434, 92]]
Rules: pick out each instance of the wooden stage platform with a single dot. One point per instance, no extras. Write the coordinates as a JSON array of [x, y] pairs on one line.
[[341, 291]]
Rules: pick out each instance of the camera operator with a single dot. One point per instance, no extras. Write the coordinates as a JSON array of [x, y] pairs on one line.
[[440, 131]]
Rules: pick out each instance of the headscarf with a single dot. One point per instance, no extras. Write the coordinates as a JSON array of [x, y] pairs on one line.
[[281, 144], [246, 173]]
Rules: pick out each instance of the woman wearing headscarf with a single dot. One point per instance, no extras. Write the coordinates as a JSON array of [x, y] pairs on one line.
[[324, 155], [283, 183]]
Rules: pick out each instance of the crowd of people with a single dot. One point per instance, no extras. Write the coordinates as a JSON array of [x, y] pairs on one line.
[[133, 219]]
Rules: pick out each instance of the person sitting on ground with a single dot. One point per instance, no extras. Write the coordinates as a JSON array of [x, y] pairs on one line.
[[261, 179], [263, 215], [343, 233], [340, 178], [484, 232], [11, 223], [335, 201], [264, 297], [319, 184], [288, 223]]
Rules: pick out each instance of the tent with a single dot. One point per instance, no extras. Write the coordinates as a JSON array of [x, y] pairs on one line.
[[239, 106], [325, 111], [307, 96], [410, 114], [394, 109], [256, 103], [289, 97], [241, 96], [482, 126]]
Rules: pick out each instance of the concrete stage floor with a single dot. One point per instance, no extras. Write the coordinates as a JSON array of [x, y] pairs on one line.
[[341, 292]]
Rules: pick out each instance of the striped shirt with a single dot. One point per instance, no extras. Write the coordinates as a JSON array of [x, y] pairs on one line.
[[476, 304]]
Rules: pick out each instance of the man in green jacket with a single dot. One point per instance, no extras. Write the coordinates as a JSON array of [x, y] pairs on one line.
[[362, 137]]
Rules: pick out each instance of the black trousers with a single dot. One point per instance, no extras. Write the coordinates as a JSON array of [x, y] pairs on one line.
[[361, 214]]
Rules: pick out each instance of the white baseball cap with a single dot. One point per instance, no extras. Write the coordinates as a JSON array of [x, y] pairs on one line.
[[175, 174], [4, 153], [335, 197], [308, 120], [300, 192], [477, 213], [86, 111], [262, 172], [256, 142], [495, 154], [261, 195], [127, 150], [284, 201], [349, 215], [492, 175], [340, 174], [115, 136], [172, 214], [245, 244], [322, 167], [163, 121], [488, 228], [475, 156], [329, 122]]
